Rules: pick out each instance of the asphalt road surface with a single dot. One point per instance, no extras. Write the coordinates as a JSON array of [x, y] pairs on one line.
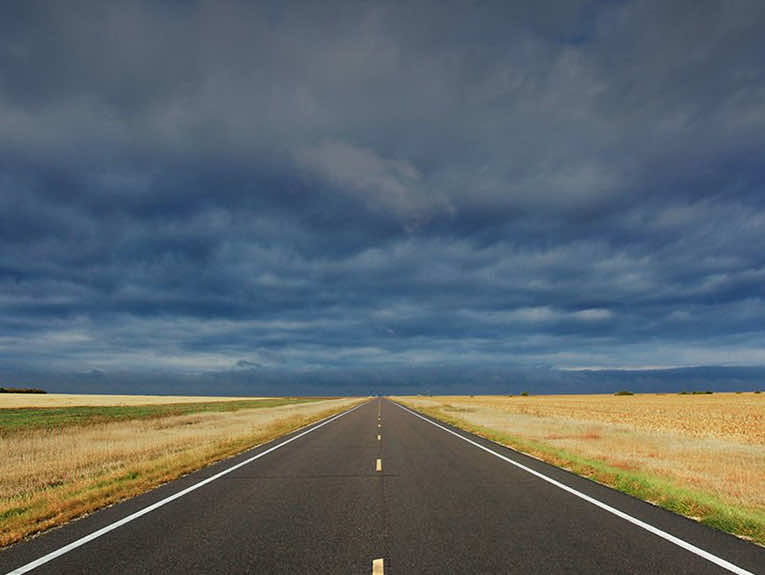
[[382, 490]]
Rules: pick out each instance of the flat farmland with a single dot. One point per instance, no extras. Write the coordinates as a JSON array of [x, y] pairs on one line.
[[9, 400], [702, 456], [62, 461]]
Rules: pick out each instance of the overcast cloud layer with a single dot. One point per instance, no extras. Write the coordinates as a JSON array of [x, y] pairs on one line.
[[329, 186]]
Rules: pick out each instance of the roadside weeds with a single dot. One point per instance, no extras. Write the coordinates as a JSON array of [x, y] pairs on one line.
[[35, 504], [706, 508]]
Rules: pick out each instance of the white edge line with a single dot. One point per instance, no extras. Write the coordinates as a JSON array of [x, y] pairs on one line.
[[112, 526], [648, 527]]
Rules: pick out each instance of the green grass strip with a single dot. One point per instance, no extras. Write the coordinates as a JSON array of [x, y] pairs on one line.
[[25, 418], [704, 507]]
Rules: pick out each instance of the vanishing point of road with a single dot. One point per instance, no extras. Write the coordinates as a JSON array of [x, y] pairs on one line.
[[381, 489]]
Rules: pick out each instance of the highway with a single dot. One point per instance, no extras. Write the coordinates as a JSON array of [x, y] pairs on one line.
[[382, 490]]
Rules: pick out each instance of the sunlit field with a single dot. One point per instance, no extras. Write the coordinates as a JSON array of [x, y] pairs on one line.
[[72, 399], [699, 455], [77, 463]]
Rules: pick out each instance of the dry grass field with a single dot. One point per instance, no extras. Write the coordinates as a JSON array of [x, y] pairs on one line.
[[55, 473], [9, 400], [700, 455]]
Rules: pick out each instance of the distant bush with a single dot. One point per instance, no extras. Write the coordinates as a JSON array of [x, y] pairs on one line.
[[757, 391], [525, 393], [707, 392], [21, 390], [684, 393], [624, 392]]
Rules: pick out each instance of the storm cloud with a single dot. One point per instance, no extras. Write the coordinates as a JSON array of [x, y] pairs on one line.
[[390, 188]]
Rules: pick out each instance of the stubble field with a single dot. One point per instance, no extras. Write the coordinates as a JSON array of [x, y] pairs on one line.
[[702, 456], [62, 461], [12, 400]]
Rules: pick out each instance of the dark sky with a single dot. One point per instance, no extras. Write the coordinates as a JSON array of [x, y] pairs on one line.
[[396, 187]]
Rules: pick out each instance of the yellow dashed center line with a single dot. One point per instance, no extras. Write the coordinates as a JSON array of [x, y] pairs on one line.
[[377, 567], [379, 437], [379, 465]]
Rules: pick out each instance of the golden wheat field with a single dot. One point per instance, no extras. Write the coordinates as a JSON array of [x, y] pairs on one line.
[[52, 475], [11, 400], [709, 444], [731, 416]]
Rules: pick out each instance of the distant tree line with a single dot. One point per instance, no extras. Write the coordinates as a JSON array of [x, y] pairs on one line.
[[21, 390]]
